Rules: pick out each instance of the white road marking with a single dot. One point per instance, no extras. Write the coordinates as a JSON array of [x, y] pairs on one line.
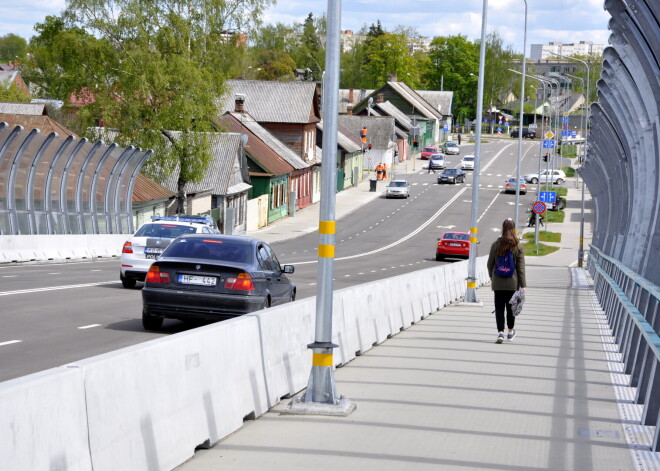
[[55, 288], [446, 227], [89, 326], [489, 186], [55, 273], [9, 342], [360, 273], [95, 270], [346, 276], [9, 276], [424, 184]]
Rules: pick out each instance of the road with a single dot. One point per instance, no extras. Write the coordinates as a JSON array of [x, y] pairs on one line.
[[53, 314]]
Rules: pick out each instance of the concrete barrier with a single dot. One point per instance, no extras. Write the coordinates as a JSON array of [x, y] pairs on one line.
[[28, 248], [150, 405]]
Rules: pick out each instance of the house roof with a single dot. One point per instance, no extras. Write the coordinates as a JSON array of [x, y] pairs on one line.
[[223, 173], [8, 76], [258, 151], [274, 102], [379, 128], [271, 141], [44, 123], [358, 95], [441, 101], [412, 97], [145, 189], [343, 141], [12, 107], [390, 110]]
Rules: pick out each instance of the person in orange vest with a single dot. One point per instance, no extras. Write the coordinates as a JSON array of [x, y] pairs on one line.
[[384, 172], [379, 171]]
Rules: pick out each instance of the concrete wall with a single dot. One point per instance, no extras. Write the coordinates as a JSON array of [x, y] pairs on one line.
[[148, 406], [26, 248]]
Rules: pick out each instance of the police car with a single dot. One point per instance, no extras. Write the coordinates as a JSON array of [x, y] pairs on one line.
[[141, 250]]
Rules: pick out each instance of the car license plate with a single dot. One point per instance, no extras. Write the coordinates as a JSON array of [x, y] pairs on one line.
[[197, 280], [151, 256], [453, 244], [156, 250]]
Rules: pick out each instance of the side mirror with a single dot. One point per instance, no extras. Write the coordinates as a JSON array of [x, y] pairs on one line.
[[288, 269]]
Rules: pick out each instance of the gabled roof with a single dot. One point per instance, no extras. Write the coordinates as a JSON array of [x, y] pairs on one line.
[[145, 189], [223, 175], [412, 97], [358, 95], [8, 76], [441, 101], [258, 151], [274, 102], [343, 141], [271, 141], [44, 123], [379, 128], [12, 107], [390, 110]]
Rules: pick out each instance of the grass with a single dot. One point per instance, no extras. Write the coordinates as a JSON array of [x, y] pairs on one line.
[[530, 249], [554, 216], [544, 236], [569, 171], [568, 151], [561, 191]]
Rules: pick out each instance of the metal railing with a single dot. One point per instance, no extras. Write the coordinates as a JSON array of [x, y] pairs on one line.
[[631, 305]]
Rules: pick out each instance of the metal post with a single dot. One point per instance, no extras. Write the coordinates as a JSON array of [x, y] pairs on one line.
[[471, 293], [516, 211], [321, 396]]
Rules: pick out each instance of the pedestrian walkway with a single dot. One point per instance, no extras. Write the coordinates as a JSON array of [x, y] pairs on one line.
[[442, 395]]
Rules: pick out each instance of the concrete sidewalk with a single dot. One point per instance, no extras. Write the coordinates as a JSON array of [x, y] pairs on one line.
[[442, 395]]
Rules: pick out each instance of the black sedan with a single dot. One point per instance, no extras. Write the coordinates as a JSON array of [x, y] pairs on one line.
[[213, 277], [451, 175]]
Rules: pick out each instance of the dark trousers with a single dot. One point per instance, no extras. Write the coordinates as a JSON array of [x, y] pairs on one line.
[[502, 298]]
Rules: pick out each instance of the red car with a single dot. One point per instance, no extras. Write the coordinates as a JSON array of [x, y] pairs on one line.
[[453, 244], [427, 152]]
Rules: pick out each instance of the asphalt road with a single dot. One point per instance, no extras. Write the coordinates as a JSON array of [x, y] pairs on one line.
[[53, 314]]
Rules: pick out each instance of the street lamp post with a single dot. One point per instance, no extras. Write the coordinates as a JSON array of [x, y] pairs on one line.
[[471, 292], [584, 157], [581, 122], [516, 211]]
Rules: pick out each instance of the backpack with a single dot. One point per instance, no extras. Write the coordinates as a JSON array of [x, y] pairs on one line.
[[505, 266]]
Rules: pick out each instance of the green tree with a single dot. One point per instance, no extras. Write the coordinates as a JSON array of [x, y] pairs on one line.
[[155, 71], [497, 78], [10, 92], [595, 68], [309, 50], [386, 54], [12, 48]]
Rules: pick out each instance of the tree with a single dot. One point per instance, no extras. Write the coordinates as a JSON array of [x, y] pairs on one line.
[[497, 78], [154, 72], [12, 48], [10, 92]]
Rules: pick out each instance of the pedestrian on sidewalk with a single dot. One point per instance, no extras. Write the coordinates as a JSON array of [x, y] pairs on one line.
[[506, 268], [459, 138]]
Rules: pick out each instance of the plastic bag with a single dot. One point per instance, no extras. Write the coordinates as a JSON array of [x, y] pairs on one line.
[[517, 301]]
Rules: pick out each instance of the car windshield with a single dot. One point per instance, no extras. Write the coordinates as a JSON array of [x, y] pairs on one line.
[[450, 171], [455, 236], [437, 157], [212, 249], [164, 230], [430, 149], [397, 183]]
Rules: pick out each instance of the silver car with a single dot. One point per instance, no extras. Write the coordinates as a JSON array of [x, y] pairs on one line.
[[451, 148], [397, 189]]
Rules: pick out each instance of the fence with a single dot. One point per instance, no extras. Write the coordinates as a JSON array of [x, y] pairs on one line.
[[631, 305]]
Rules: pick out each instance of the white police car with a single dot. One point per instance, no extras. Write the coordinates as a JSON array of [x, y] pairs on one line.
[[142, 249]]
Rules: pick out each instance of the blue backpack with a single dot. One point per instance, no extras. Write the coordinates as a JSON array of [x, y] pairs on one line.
[[505, 266]]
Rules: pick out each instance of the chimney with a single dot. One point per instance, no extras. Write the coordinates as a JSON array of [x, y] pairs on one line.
[[349, 110], [392, 78], [351, 97], [239, 103], [380, 98]]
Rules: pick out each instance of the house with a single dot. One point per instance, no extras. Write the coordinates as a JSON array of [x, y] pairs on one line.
[[150, 199], [442, 102], [350, 158], [380, 146], [223, 191], [271, 165], [289, 111], [13, 77], [349, 97], [403, 126]]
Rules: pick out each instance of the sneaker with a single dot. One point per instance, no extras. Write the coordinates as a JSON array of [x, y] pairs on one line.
[[500, 338], [511, 335]]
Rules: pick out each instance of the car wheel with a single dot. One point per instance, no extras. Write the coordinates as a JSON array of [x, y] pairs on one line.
[[439, 258], [560, 181], [293, 295], [534, 181], [127, 282], [150, 322], [266, 304]]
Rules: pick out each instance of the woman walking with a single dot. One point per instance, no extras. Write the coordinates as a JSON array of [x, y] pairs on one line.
[[506, 267]]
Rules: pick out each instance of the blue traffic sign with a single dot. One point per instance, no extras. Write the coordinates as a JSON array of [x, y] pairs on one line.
[[506, 124], [548, 196], [538, 207], [548, 144], [445, 128], [499, 129], [574, 133], [499, 122], [564, 119]]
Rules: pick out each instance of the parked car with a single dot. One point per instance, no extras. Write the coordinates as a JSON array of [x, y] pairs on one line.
[[214, 277], [511, 187], [554, 176], [452, 175], [437, 162], [468, 162], [152, 238], [453, 244], [427, 152], [397, 189], [527, 133], [451, 148]]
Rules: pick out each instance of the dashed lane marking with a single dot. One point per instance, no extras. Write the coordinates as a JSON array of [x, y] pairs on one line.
[[89, 326], [55, 288], [9, 342]]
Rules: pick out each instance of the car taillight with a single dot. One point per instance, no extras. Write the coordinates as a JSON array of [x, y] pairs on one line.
[[242, 282], [154, 275], [440, 244], [508, 185], [128, 248]]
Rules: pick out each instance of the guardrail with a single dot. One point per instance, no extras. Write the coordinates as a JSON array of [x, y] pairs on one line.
[[150, 405], [631, 304]]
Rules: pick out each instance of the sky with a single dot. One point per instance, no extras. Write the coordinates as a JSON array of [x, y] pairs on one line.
[[566, 21]]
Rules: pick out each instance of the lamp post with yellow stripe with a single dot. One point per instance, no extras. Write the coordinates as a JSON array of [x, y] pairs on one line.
[[321, 396], [471, 292]]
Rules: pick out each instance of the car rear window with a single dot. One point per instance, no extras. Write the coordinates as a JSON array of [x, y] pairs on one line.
[[468, 159], [451, 144], [212, 249], [450, 171], [164, 230], [397, 184], [455, 236], [430, 149]]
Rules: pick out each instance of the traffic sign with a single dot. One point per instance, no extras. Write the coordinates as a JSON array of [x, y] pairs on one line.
[[564, 119], [549, 135], [539, 207], [499, 122], [574, 133], [499, 129], [548, 196], [445, 128], [548, 144], [506, 124]]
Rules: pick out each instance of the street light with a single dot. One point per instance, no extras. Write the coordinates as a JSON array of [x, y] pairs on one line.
[[584, 157], [516, 211]]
